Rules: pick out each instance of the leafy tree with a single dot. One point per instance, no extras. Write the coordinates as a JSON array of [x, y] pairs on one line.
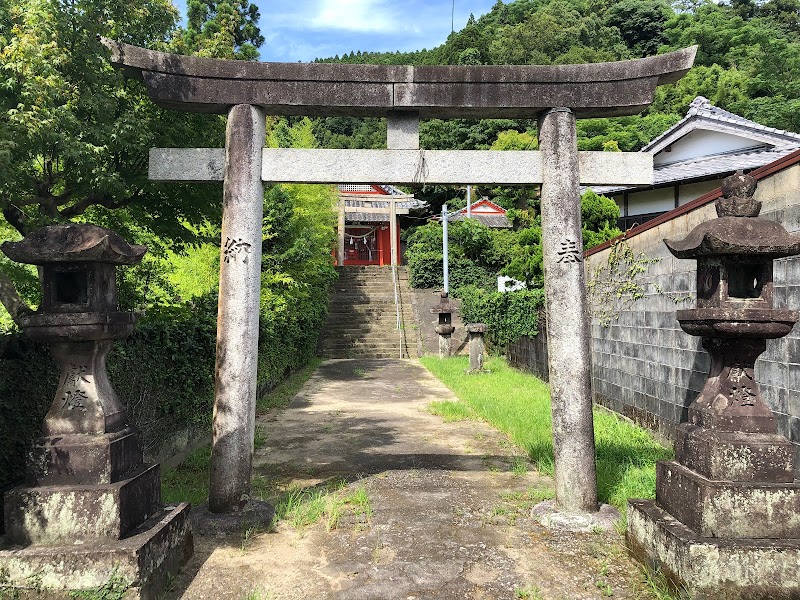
[[515, 140], [227, 29], [75, 133], [786, 13], [641, 23]]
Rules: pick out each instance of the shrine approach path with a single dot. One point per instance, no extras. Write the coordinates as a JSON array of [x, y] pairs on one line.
[[443, 508]]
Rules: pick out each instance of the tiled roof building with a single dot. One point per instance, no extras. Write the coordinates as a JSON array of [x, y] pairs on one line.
[[692, 157]]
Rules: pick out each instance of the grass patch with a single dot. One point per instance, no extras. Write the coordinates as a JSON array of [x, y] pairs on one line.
[[189, 481], [519, 404], [259, 594], [288, 388], [303, 507], [259, 437], [451, 411], [529, 592]]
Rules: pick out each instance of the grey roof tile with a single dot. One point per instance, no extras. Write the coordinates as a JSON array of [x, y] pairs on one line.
[[779, 144]]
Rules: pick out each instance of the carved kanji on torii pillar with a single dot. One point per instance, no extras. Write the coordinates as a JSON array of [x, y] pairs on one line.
[[404, 94]]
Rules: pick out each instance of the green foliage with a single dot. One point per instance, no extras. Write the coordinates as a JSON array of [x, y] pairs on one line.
[[515, 140], [509, 315], [80, 131], [641, 23], [426, 270], [616, 284], [597, 210], [519, 404], [222, 29]]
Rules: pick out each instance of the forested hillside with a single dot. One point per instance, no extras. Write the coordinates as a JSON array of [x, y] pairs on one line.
[[748, 62]]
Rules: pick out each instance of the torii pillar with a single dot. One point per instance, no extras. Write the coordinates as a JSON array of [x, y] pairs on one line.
[[556, 94]]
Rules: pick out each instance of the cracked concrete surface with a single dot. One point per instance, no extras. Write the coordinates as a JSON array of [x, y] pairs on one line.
[[450, 516]]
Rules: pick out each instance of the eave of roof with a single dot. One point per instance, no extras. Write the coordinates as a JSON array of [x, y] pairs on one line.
[[766, 171], [696, 169], [702, 115], [713, 117]]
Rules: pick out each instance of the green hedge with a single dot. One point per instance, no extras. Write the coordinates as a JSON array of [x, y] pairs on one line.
[[425, 270], [164, 372], [508, 315]]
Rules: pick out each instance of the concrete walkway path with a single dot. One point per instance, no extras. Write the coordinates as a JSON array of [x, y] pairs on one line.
[[446, 513]]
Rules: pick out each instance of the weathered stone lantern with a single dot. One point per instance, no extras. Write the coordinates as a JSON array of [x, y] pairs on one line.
[[91, 508], [476, 347], [445, 327], [726, 519]]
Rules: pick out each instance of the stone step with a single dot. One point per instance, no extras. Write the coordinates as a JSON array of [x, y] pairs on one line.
[[333, 333], [370, 355], [349, 297], [360, 345], [350, 316]]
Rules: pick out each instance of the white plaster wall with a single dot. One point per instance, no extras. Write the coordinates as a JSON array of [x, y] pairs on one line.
[[692, 191], [650, 201], [702, 142]]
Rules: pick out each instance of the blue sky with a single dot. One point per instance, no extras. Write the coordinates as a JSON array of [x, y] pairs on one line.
[[302, 30]]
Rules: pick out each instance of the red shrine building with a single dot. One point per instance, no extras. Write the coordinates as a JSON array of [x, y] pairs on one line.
[[368, 220]]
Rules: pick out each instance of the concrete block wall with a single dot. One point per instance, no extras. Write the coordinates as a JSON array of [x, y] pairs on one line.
[[646, 368]]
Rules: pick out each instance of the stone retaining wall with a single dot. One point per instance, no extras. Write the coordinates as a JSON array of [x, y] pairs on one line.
[[645, 367]]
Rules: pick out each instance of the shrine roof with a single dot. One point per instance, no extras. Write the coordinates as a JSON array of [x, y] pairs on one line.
[[485, 211]]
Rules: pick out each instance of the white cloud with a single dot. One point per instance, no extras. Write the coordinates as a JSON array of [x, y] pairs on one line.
[[363, 16], [305, 29]]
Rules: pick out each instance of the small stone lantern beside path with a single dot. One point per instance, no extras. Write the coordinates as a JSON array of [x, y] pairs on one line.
[[726, 519], [445, 328], [476, 347], [90, 511]]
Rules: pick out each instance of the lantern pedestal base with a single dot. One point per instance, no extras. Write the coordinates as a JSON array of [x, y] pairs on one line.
[[144, 561], [84, 459], [722, 569], [725, 523], [79, 514]]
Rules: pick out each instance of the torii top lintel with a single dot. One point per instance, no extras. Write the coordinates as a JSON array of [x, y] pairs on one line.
[[210, 85]]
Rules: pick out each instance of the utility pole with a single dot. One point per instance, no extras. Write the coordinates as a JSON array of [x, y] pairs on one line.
[[469, 201], [445, 267]]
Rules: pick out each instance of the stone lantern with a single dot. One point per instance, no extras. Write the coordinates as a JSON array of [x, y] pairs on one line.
[[476, 347], [725, 518], [90, 507], [445, 327]]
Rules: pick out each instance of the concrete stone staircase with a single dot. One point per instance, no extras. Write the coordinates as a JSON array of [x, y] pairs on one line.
[[362, 319]]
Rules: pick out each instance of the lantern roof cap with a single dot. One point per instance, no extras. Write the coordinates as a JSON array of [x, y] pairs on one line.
[[742, 236], [738, 230], [82, 242]]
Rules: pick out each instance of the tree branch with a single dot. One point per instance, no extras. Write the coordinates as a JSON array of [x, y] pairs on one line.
[[11, 299], [82, 205], [16, 218]]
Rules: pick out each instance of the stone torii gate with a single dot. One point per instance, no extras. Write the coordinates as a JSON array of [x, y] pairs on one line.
[[556, 95]]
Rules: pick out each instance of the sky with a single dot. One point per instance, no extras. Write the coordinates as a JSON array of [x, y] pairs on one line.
[[302, 30]]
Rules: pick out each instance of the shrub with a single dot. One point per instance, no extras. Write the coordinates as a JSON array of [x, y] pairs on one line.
[[163, 372], [508, 315], [426, 271]]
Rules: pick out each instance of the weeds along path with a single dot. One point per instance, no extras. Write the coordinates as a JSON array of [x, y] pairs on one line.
[[379, 498]]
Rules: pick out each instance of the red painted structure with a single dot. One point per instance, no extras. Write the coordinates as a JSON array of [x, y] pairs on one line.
[[367, 238]]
